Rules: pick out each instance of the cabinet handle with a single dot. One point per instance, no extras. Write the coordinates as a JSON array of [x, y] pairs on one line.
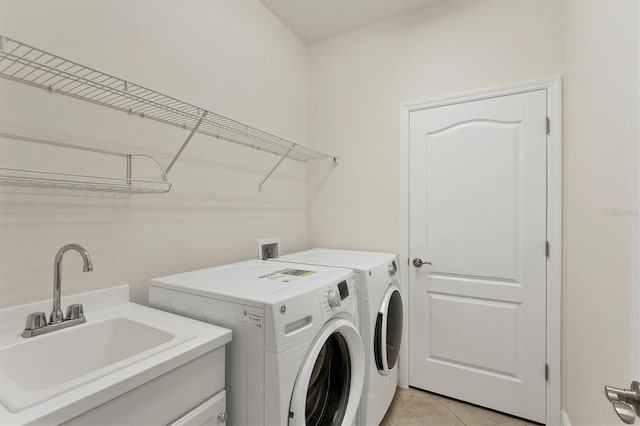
[[222, 417]]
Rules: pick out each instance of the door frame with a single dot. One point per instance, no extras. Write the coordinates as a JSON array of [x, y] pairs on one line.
[[634, 293], [553, 87]]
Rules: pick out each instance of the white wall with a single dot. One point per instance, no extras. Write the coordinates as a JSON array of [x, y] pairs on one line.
[[234, 57], [230, 56], [359, 80], [600, 116]]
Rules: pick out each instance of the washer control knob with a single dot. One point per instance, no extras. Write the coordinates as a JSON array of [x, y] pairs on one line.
[[333, 297]]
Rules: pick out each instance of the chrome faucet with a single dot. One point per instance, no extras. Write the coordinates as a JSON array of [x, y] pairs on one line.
[[56, 315], [36, 322]]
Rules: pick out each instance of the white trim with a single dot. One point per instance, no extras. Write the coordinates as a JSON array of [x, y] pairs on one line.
[[403, 362], [634, 291], [478, 95], [554, 222], [554, 262]]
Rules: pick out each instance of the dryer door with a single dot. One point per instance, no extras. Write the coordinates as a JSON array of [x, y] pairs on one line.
[[329, 383], [388, 333]]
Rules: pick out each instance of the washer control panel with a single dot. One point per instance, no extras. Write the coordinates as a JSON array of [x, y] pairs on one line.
[[334, 295]]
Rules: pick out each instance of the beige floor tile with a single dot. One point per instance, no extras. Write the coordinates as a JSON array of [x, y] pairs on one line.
[[426, 396], [417, 414], [418, 409], [519, 422], [415, 407], [472, 415], [403, 394]]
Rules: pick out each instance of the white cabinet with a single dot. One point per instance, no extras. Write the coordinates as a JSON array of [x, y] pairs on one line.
[[192, 394], [212, 412]]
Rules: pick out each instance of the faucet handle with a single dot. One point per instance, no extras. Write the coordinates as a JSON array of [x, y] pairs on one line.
[[74, 312], [35, 321]]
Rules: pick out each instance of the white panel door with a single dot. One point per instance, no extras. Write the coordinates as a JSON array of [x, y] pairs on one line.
[[478, 216]]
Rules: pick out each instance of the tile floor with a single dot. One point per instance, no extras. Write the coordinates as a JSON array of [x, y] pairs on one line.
[[416, 407]]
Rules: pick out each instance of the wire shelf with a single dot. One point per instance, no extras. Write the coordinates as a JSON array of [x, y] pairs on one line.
[[33, 66], [43, 179], [50, 179]]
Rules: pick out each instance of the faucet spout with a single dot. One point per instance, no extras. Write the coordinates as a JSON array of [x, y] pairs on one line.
[[56, 314]]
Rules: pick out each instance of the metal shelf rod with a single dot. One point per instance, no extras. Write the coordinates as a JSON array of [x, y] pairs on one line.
[[61, 144]]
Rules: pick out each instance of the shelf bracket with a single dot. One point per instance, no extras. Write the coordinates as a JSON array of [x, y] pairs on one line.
[[186, 142], [129, 169], [275, 167]]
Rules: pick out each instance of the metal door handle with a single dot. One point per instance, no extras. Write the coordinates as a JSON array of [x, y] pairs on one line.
[[417, 262], [626, 402]]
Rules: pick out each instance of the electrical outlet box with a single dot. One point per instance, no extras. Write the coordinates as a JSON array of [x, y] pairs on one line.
[[268, 248]]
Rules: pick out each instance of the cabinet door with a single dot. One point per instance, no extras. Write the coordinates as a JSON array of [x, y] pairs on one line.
[[163, 399], [212, 412]]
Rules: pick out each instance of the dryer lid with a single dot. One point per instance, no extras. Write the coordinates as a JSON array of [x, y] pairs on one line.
[[359, 260]]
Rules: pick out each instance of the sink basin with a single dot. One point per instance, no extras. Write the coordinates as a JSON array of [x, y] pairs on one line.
[[122, 349], [40, 367]]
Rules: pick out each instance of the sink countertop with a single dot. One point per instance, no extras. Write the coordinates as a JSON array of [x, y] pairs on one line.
[[192, 340]]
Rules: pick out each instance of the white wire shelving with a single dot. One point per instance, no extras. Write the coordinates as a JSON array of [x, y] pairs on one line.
[[83, 182], [30, 65], [42, 179]]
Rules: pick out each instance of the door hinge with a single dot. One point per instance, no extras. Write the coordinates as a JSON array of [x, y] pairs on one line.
[[548, 121], [546, 372], [547, 248]]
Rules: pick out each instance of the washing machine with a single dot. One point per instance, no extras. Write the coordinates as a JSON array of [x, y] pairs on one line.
[[296, 355], [380, 304]]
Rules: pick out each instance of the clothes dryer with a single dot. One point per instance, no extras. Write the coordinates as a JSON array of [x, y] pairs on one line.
[[296, 356], [381, 316]]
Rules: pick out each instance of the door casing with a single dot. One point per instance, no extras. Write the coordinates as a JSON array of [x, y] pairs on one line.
[[635, 236], [553, 88]]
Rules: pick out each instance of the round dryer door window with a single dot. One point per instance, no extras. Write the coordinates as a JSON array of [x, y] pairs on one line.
[[329, 383], [388, 333]]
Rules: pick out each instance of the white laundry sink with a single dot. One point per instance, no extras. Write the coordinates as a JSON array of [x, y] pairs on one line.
[[54, 377], [32, 370]]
